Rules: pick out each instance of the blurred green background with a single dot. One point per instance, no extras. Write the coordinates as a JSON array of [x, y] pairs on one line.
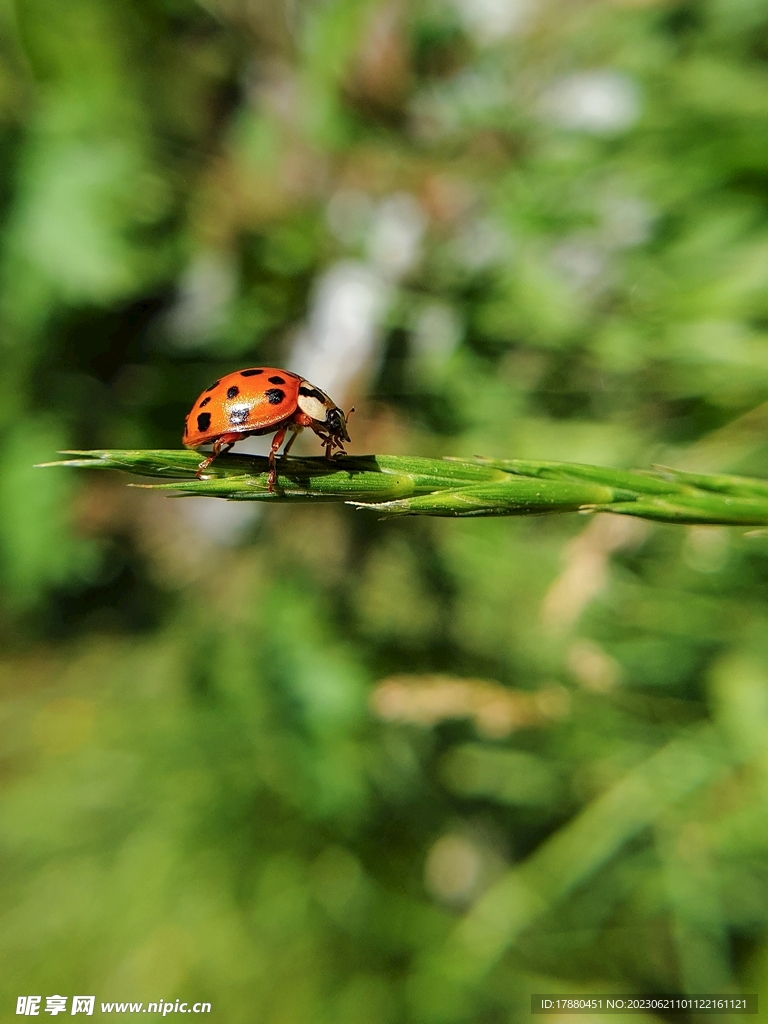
[[308, 765]]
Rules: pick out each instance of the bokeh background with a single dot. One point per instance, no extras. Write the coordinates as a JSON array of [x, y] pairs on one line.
[[305, 764]]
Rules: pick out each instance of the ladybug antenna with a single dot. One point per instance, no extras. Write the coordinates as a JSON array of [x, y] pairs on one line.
[[349, 413]]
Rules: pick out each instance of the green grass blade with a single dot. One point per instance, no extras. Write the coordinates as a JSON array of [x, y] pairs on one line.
[[515, 496], [410, 485]]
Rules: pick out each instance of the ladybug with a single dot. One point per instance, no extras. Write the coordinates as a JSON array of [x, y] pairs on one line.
[[263, 400]]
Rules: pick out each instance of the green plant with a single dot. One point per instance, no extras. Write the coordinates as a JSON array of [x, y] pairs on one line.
[[407, 485]]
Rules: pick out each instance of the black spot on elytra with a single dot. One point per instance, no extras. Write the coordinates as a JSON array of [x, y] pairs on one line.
[[312, 393], [250, 373], [214, 385], [276, 380], [233, 392], [186, 429], [203, 422], [239, 415], [274, 396], [205, 402]]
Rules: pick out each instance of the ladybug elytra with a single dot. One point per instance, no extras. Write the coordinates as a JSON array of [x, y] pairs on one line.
[[263, 400]]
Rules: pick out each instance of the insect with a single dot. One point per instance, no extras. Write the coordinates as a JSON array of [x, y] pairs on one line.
[[263, 400]]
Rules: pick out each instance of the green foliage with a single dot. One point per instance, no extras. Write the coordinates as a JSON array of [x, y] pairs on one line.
[[399, 485], [320, 765]]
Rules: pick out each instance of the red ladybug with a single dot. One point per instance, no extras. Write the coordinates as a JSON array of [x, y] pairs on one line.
[[262, 400]]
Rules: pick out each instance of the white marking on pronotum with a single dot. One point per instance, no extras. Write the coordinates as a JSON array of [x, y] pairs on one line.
[[313, 407]]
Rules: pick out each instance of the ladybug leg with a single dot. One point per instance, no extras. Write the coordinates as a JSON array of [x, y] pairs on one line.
[[330, 443], [219, 447], [294, 434], [277, 440], [326, 441]]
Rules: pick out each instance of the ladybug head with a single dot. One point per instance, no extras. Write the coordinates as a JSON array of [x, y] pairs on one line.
[[336, 424]]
